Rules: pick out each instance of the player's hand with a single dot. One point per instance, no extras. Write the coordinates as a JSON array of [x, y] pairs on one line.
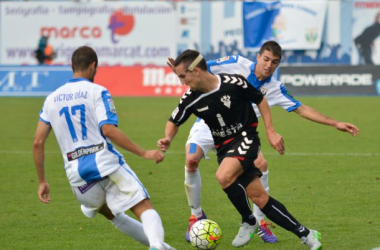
[[347, 127], [43, 192], [277, 142], [170, 63], [163, 144], [156, 155]]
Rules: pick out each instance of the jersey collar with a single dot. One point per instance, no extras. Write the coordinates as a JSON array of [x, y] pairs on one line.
[[78, 80], [252, 79]]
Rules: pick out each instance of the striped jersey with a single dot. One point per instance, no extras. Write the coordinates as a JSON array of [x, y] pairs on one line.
[[226, 110], [273, 90], [76, 111]]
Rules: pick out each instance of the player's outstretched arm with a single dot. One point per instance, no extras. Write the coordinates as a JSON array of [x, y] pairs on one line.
[[275, 140], [119, 138], [170, 131], [40, 137], [313, 115]]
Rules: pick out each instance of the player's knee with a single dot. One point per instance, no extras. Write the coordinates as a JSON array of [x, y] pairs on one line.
[[224, 179], [192, 164], [261, 164]]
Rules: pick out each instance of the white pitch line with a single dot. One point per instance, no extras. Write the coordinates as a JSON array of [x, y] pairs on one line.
[[183, 152], [377, 248]]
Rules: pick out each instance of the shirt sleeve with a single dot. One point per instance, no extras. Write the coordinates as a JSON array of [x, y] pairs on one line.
[[105, 109], [44, 115], [183, 111]]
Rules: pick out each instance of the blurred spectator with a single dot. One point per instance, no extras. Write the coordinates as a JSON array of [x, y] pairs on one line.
[[365, 41], [44, 53]]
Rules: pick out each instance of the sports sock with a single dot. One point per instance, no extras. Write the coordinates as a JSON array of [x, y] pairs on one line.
[[132, 228], [256, 210], [193, 186], [238, 197], [278, 213], [153, 229]]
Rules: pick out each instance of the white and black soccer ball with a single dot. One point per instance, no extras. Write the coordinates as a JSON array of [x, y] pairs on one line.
[[205, 234]]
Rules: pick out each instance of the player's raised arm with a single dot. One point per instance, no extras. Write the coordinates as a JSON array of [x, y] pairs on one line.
[[170, 131], [275, 140], [313, 115]]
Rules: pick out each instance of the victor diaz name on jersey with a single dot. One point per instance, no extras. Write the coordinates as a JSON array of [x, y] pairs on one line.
[[227, 110]]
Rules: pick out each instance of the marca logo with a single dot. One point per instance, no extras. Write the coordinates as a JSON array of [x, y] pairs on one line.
[[65, 32], [120, 24], [158, 77]]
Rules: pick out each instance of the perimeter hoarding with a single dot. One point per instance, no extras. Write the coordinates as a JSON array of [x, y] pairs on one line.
[[122, 33], [120, 81], [331, 80]]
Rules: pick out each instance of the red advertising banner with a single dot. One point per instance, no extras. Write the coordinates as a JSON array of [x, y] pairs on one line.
[[140, 81]]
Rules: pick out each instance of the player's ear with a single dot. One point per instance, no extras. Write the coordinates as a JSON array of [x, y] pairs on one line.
[[197, 71]]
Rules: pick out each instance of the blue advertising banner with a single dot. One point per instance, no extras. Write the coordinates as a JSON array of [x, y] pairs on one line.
[[257, 20], [295, 25], [32, 80]]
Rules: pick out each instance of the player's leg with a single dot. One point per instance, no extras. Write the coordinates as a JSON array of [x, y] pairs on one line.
[[278, 213], [234, 174], [193, 182], [263, 231], [198, 144], [229, 176], [151, 223], [93, 201], [123, 182]]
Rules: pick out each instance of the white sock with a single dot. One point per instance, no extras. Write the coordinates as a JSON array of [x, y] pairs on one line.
[[193, 186], [256, 210], [132, 228], [153, 228]]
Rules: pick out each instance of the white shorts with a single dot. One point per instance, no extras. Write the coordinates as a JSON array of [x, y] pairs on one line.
[[200, 135], [121, 190]]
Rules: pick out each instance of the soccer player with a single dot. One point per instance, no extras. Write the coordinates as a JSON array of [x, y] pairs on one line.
[[83, 117], [200, 140], [224, 103]]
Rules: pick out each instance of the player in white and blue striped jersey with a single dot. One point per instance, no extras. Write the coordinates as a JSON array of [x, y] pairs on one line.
[[260, 75], [83, 117]]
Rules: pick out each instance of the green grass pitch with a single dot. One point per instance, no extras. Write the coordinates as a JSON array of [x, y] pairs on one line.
[[328, 180]]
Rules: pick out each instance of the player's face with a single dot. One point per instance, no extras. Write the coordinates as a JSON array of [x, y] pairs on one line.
[[186, 77], [267, 63]]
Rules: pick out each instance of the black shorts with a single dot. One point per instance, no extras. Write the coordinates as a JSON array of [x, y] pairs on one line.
[[245, 147]]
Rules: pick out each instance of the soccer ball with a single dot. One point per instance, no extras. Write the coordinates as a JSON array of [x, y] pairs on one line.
[[205, 234]]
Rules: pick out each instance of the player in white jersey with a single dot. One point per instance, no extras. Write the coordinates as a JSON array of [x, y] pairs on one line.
[[200, 140], [83, 117]]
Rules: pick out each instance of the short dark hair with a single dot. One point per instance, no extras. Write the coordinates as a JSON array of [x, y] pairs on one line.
[[82, 58], [273, 47], [187, 57]]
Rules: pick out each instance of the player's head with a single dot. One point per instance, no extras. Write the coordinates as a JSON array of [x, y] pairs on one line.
[[188, 66], [268, 59], [85, 61]]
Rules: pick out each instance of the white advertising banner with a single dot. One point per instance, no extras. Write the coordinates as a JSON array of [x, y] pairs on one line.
[[366, 32], [293, 24], [122, 33]]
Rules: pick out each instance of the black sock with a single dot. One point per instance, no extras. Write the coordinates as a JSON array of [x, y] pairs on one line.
[[277, 213], [238, 197]]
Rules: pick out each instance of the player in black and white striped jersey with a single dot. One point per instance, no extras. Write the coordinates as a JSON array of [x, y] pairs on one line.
[[224, 103]]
